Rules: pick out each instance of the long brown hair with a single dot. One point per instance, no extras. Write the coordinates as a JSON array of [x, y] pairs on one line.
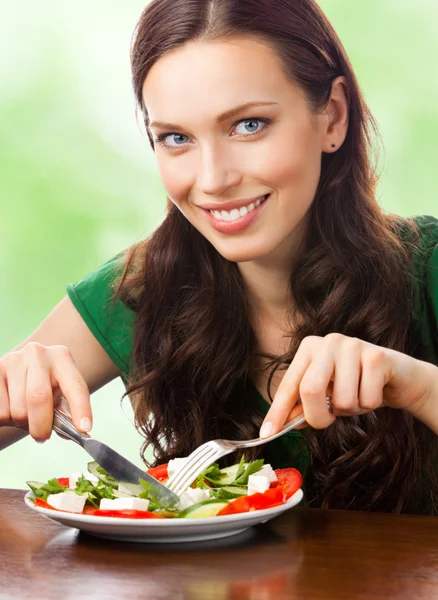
[[194, 344]]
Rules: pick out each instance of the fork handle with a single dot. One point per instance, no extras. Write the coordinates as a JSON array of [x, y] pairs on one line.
[[299, 420], [63, 425]]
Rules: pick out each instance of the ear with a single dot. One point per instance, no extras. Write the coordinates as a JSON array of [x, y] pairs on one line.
[[336, 116]]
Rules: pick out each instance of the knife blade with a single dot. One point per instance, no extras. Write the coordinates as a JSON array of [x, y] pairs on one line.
[[114, 463]]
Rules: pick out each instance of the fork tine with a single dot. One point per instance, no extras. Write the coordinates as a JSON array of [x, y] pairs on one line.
[[185, 483], [191, 469]]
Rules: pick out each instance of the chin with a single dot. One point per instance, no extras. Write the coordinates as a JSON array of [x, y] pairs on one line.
[[242, 254]]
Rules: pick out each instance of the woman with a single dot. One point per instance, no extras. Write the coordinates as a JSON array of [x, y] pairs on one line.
[[275, 284]]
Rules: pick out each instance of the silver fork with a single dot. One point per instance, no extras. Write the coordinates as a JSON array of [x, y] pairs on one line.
[[208, 453]]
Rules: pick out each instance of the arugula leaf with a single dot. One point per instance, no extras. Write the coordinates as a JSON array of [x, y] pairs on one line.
[[149, 494], [221, 494], [95, 491], [83, 485], [241, 469], [211, 474], [252, 468]]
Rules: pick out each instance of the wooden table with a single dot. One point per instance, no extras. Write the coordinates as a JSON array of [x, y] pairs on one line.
[[303, 554]]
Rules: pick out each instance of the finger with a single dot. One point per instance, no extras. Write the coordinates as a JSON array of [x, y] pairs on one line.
[[39, 398], [346, 380], [372, 382], [5, 413], [287, 394], [313, 390], [16, 384], [74, 389], [296, 411]]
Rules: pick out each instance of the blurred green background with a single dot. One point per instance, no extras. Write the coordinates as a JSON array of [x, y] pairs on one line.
[[78, 181]]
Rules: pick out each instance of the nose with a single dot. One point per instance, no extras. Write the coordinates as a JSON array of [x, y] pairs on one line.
[[217, 172]]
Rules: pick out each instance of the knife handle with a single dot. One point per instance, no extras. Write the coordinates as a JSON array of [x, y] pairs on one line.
[[63, 425]]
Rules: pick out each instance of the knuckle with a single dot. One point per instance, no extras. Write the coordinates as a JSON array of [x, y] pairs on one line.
[[34, 349], [352, 343], [61, 350], [370, 402], [334, 337], [309, 389], [374, 358]]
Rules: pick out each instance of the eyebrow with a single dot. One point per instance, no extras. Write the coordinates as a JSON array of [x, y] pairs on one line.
[[221, 118]]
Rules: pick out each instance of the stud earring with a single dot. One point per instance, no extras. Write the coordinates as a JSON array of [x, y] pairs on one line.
[[333, 145]]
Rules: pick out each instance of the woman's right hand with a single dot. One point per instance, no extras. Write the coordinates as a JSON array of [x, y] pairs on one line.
[[32, 381]]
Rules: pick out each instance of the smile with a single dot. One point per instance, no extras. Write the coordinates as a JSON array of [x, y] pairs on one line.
[[236, 220], [236, 214]]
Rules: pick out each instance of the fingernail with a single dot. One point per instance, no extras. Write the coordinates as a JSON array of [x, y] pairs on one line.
[[265, 431], [85, 424]]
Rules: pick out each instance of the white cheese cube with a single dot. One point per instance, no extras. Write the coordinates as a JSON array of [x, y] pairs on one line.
[[257, 483], [69, 501], [124, 503], [267, 471], [175, 464], [192, 496], [73, 479]]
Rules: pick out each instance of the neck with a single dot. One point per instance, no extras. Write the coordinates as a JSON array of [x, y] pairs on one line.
[[267, 281]]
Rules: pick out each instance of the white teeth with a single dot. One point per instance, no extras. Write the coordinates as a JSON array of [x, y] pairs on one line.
[[235, 213]]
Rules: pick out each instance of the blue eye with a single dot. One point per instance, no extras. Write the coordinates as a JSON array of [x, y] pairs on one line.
[[163, 138], [250, 125]]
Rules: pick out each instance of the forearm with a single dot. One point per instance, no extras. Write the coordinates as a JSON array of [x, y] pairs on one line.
[[426, 410]]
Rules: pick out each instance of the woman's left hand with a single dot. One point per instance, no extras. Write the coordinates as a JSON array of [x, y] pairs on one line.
[[358, 376]]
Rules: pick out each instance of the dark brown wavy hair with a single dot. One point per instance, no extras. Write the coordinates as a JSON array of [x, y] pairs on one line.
[[194, 345]]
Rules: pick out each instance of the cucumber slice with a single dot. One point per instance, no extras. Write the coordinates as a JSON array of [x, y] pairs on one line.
[[107, 479], [34, 485], [208, 508], [135, 489]]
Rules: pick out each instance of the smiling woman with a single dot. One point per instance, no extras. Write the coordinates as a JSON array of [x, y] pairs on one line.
[[275, 277]]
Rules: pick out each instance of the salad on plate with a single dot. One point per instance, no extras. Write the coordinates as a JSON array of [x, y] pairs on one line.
[[240, 488]]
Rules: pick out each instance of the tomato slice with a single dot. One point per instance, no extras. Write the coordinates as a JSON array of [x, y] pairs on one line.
[[161, 473], [64, 481], [258, 501], [289, 480], [125, 513]]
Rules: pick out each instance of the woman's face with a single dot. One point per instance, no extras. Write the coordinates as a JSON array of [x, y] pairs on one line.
[[256, 167]]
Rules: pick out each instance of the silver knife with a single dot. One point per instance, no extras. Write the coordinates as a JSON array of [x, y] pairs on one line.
[[114, 464]]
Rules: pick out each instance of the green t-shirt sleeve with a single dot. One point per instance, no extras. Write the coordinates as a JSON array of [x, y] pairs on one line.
[[111, 325], [426, 289]]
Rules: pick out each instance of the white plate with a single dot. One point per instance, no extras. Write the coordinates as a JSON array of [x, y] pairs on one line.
[[164, 530]]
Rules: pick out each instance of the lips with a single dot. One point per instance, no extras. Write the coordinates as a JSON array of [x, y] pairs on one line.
[[233, 204], [237, 225]]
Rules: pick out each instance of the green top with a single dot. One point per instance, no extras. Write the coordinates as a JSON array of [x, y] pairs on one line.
[[114, 329]]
